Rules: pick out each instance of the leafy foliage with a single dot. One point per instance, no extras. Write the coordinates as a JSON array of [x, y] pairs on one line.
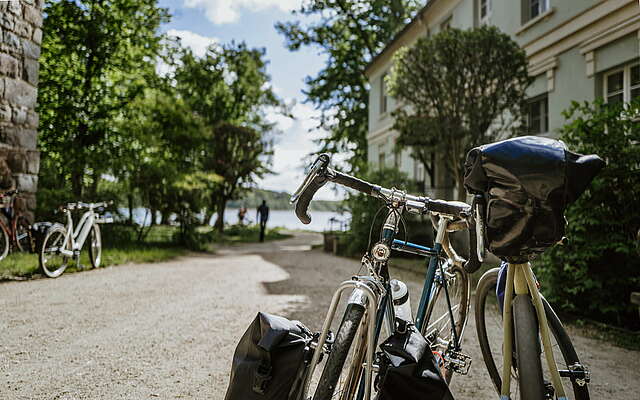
[[463, 89], [350, 33], [237, 157], [97, 57], [594, 274]]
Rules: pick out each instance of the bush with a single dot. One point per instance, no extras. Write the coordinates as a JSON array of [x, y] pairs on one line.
[[594, 274], [363, 209]]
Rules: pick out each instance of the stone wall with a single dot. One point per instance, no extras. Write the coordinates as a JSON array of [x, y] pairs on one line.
[[20, 38]]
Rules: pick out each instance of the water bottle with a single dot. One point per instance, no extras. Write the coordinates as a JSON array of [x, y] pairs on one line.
[[401, 303]]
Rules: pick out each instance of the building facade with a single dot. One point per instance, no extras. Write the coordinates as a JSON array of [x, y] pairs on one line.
[[578, 50]]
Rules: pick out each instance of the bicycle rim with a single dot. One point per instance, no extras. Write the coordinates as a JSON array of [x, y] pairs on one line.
[[338, 377], [4, 243], [52, 262], [490, 335]]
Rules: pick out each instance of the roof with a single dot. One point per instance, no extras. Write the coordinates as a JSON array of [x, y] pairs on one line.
[[415, 20]]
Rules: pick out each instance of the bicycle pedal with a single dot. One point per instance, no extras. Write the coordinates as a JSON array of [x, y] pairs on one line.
[[457, 362]]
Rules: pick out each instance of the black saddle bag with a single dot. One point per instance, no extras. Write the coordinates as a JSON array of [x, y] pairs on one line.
[[270, 361], [527, 183], [409, 369]]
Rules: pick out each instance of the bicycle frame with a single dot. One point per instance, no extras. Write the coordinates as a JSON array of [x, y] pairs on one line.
[[378, 302], [521, 281], [76, 238]]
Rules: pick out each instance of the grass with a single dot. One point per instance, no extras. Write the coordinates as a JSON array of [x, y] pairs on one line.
[[120, 246], [25, 265]]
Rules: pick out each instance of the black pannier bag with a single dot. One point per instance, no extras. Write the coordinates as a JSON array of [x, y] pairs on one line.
[[408, 369], [526, 182], [270, 360]]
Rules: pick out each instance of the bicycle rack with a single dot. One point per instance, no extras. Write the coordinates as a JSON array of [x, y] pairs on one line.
[[372, 302]]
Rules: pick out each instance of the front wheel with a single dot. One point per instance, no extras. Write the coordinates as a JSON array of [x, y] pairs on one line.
[[488, 315], [95, 246], [338, 381], [52, 261]]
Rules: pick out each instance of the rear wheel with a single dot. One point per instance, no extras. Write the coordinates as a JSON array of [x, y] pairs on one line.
[[438, 327], [52, 262], [339, 379], [95, 246], [488, 316], [24, 237]]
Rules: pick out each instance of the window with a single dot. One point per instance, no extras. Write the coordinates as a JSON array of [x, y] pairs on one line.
[[538, 115], [533, 8], [485, 11], [383, 94], [622, 85]]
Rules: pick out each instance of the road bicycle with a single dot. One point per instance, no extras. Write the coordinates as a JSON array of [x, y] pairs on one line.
[[522, 338], [62, 243], [16, 233], [442, 311]]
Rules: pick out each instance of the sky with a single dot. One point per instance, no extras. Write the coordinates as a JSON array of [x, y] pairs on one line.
[[201, 22]]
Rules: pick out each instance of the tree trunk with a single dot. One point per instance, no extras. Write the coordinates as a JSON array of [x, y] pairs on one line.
[[220, 207], [164, 217], [462, 193], [130, 204], [76, 183], [153, 216]]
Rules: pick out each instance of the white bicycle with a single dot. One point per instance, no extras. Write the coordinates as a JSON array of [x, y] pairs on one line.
[[62, 243]]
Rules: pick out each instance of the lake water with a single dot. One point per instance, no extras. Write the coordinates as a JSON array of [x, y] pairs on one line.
[[320, 220]]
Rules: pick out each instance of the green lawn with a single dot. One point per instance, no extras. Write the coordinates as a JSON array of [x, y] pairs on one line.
[[25, 265], [121, 246]]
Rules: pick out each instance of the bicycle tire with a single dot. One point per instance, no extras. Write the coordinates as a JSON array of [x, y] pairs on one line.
[[4, 243], [525, 330], [339, 351], [53, 234], [462, 311], [95, 248], [486, 286], [26, 243]]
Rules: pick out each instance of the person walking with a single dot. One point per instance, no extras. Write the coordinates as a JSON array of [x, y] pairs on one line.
[[263, 216]]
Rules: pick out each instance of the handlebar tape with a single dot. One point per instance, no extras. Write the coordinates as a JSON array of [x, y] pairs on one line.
[[444, 207], [302, 204], [352, 182]]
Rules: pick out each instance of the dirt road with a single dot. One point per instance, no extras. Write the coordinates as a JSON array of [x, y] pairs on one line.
[[168, 330]]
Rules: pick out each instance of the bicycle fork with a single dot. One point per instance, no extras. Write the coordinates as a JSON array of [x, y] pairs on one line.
[[520, 280]]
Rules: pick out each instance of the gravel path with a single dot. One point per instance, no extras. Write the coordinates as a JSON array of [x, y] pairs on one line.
[[168, 330]]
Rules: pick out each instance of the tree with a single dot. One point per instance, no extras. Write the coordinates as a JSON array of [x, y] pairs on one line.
[[350, 33], [97, 56], [461, 89], [228, 89], [600, 260], [238, 156]]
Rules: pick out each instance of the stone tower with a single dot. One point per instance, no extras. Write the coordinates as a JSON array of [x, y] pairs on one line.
[[20, 38]]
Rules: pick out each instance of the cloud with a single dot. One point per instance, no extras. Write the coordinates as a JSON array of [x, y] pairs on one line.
[[228, 11], [197, 43], [292, 148]]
